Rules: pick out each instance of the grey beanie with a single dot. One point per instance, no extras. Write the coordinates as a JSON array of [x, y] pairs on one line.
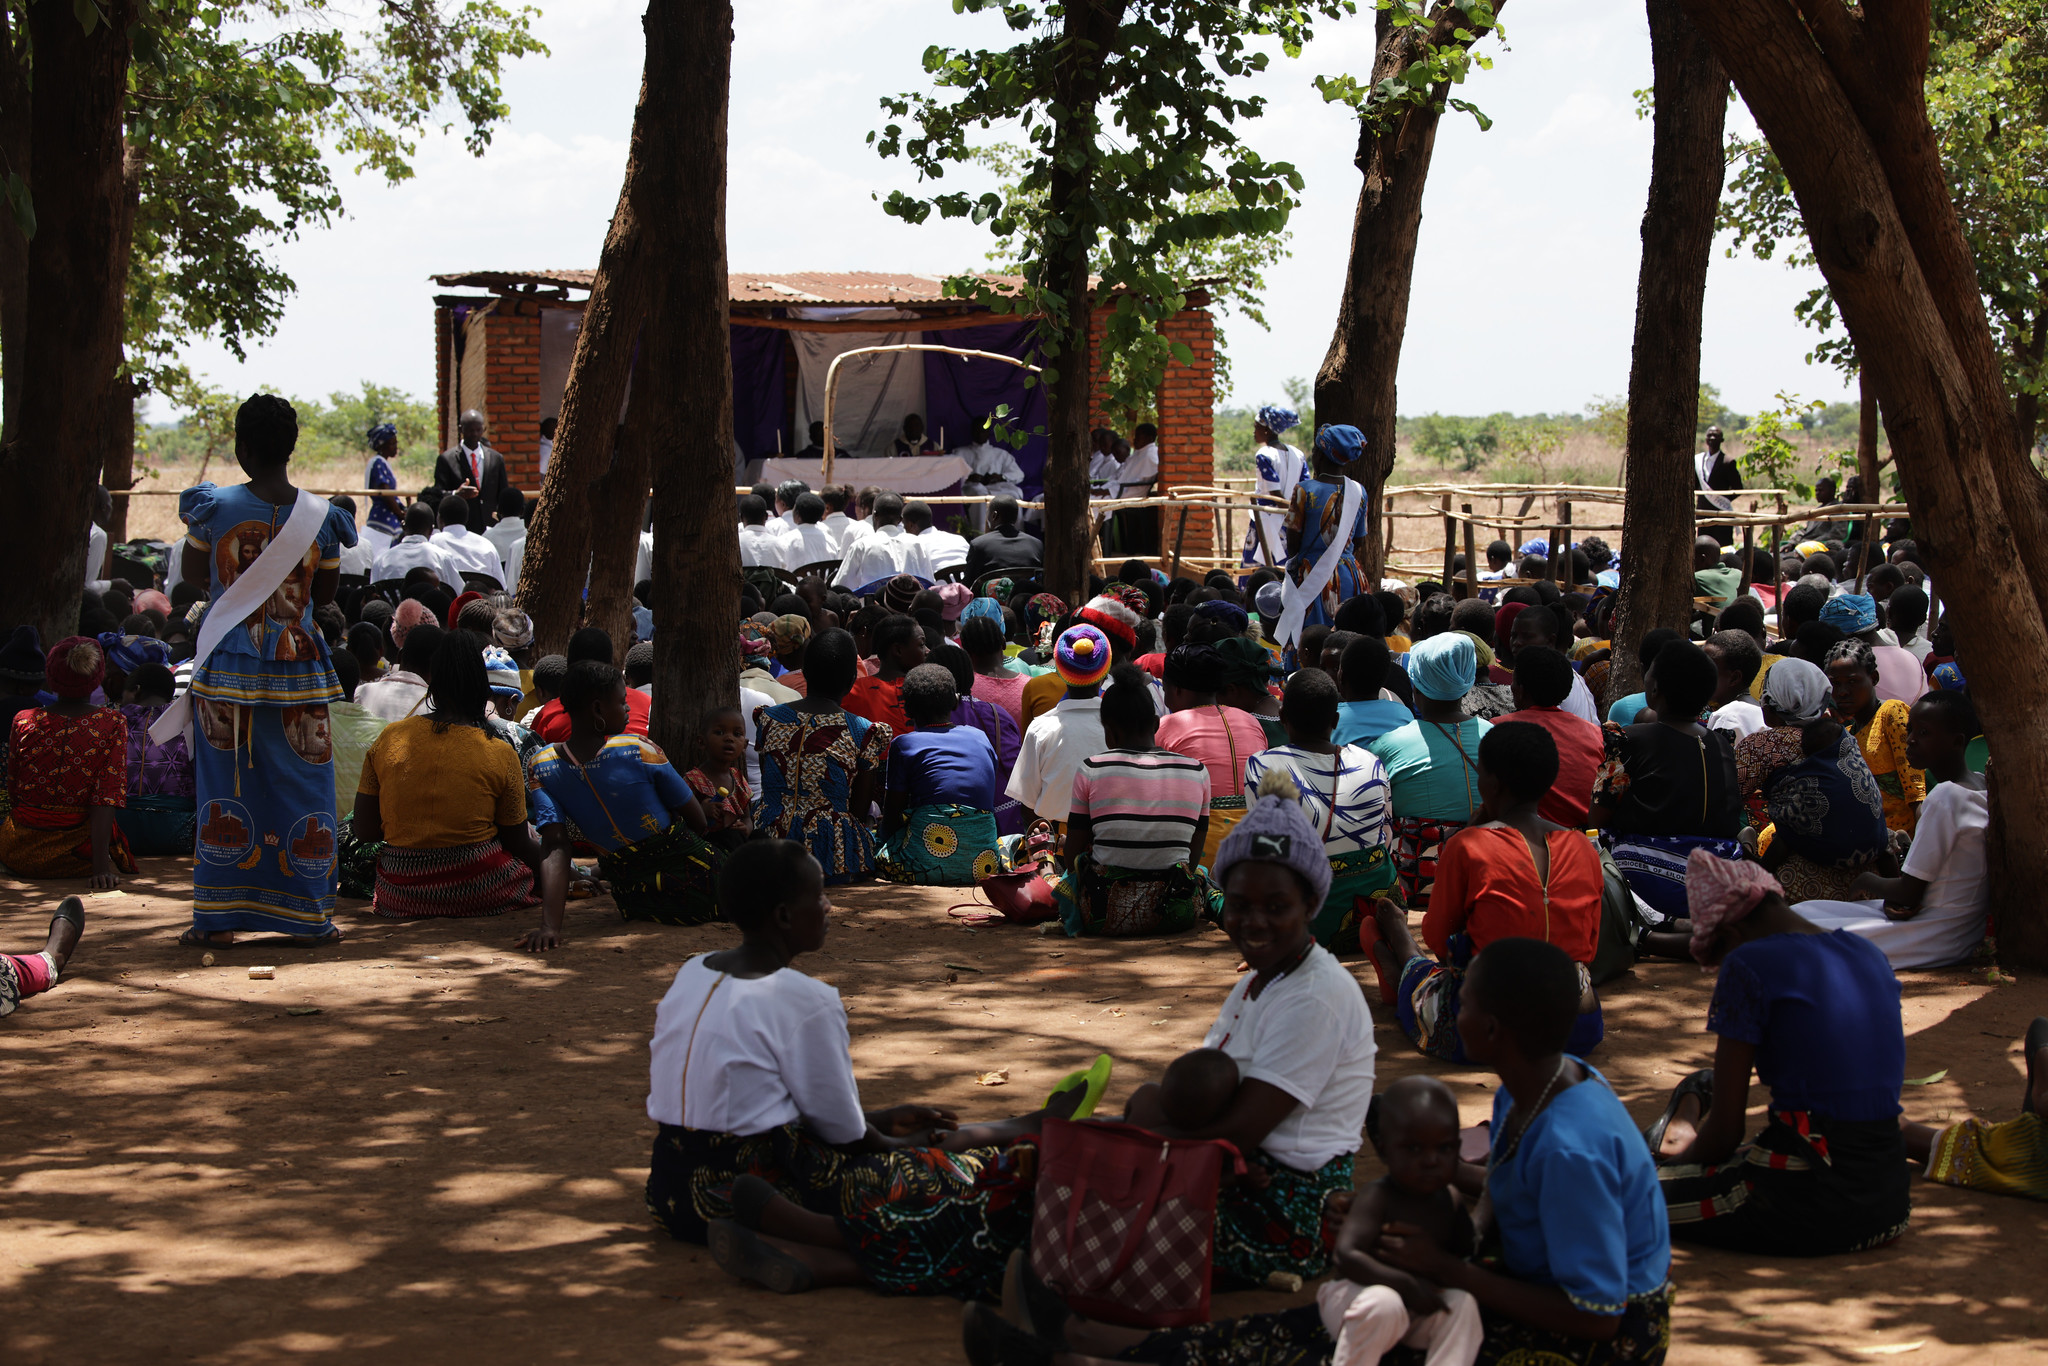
[[1276, 831]]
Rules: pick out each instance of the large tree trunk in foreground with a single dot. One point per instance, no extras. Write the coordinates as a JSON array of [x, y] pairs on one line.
[[696, 535], [617, 505], [1664, 374], [72, 318], [117, 409], [558, 547], [16, 112], [1069, 540], [1839, 97], [1356, 384]]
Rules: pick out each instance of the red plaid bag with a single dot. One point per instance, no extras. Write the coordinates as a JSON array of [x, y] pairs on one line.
[[1125, 1222]]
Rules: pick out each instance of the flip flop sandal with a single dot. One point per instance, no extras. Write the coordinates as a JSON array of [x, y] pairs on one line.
[[1091, 1080], [1701, 1084], [321, 941], [747, 1255], [195, 938]]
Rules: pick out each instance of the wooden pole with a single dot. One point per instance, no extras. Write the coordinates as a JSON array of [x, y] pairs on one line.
[[1778, 553], [1450, 543], [1265, 549], [1561, 549], [1179, 536], [1471, 555], [1500, 510]]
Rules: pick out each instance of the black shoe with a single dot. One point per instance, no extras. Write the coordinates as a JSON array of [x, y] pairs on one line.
[[1701, 1084], [989, 1339], [2037, 1040], [1032, 1305]]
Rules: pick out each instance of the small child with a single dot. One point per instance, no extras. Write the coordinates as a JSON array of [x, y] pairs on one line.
[[720, 778], [1374, 1306], [1197, 1088]]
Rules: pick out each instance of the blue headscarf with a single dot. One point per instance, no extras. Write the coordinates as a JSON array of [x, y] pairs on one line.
[[1441, 667], [1276, 419], [1229, 613], [1537, 546], [1948, 676], [982, 607], [1850, 613], [1342, 444], [129, 653], [381, 433]]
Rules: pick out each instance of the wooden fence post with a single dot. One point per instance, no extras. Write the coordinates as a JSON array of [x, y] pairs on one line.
[[1450, 543], [1471, 555]]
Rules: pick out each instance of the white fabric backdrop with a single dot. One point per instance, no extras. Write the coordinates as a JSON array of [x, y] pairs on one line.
[[874, 393]]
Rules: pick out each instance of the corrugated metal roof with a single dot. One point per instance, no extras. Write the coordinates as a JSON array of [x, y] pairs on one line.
[[806, 288]]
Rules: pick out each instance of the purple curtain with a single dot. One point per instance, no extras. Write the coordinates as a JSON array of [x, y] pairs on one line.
[[757, 388], [959, 392]]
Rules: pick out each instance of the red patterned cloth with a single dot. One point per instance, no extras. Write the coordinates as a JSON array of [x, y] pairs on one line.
[[68, 762], [1418, 840]]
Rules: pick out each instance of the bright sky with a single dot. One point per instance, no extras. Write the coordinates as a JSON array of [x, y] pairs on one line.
[[1524, 294]]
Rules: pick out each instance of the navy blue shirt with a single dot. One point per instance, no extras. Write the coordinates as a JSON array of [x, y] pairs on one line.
[[1823, 1012]]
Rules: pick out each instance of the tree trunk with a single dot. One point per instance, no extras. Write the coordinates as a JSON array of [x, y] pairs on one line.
[[72, 315], [1091, 26], [1866, 471], [117, 410], [16, 110], [1357, 382], [617, 505], [1839, 97], [696, 535], [1664, 372], [2026, 408], [558, 546]]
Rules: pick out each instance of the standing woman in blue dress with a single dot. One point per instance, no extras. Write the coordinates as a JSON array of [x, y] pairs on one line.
[[262, 754], [386, 522], [1326, 528]]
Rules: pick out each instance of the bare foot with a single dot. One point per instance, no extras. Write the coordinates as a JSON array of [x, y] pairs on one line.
[[1683, 1129]]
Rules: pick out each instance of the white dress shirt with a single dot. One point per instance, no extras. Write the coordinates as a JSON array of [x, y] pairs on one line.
[[358, 558], [470, 553], [643, 563], [1138, 469], [841, 528], [808, 543], [761, 545], [515, 559], [547, 453], [942, 548], [507, 532], [96, 557], [883, 552], [414, 552]]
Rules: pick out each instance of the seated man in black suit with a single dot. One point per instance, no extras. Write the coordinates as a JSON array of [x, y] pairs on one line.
[[1003, 546], [472, 469]]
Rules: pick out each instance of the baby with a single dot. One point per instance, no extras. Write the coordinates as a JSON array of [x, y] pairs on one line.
[[1374, 1306], [1197, 1088]]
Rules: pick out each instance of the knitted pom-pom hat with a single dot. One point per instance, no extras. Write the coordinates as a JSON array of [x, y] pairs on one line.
[[1276, 831], [1081, 655]]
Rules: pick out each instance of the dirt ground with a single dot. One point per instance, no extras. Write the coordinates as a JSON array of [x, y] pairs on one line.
[[440, 1157]]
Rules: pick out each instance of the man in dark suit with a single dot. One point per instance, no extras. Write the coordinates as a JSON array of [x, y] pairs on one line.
[[472, 469], [1003, 546]]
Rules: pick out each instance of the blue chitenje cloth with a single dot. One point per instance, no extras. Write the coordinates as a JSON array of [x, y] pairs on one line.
[[1277, 419], [262, 755], [378, 474]]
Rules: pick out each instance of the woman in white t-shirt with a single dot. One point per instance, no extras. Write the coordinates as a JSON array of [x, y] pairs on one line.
[[751, 1082], [1298, 1028]]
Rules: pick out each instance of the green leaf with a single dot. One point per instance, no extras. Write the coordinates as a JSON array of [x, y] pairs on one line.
[[1927, 1080]]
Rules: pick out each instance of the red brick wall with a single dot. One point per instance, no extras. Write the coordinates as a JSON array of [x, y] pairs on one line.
[[511, 397], [443, 355], [1187, 426]]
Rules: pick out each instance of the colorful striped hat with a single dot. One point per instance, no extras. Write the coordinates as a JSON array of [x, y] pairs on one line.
[[1081, 655]]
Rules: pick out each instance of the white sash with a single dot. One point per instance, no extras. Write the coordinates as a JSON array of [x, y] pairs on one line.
[[1298, 596], [1703, 469], [243, 597]]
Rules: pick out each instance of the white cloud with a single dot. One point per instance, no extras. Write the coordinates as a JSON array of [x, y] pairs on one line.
[[1525, 279]]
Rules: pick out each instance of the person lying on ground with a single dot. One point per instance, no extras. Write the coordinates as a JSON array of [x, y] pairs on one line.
[[23, 975], [2009, 1158]]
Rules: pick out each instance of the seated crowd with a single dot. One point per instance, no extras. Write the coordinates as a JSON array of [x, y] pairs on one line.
[[1790, 799]]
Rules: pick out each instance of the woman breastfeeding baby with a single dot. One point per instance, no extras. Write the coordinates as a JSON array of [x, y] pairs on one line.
[[765, 1152]]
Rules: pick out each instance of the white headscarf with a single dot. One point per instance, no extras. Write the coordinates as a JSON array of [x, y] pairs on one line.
[[1799, 691]]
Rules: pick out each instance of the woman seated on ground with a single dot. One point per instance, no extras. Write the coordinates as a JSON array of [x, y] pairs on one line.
[[1804, 778], [1815, 1014], [1221, 738], [2009, 1158], [1583, 1272], [820, 765], [1879, 728], [1668, 785], [981, 635], [764, 1150], [1513, 875], [1137, 818], [999, 726], [23, 975], [1432, 762], [1934, 912], [447, 803], [939, 791], [624, 797], [159, 817], [67, 774], [1344, 795], [1248, 672]]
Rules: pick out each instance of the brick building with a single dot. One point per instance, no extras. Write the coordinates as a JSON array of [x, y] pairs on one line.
[[504, 346]]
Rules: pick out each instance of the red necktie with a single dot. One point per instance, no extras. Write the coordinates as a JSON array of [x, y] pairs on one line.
[[476, 467]]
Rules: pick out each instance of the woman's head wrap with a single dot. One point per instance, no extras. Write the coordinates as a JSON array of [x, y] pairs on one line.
[[412, 612], [1246, 664], [462, 600], [22, 659], [1537, 546], [512, 630], [1850, 613], [1271, 600], [953, 599], [1041, 612], [1481, 649], [1131, 596], [982, 607], [381, 433], [1000, 589], [1949, 676], [149, 600], [129, 653], [1112, 618], [1229, 613], [1277, 419], [1719, 892], [790, 633], [1081, 656], [75, 667], [755, 642], [1441, 667], [502, 673], [1276, 831], [1799, 691], [1504, 621], [1340, 443], [1197, 668]]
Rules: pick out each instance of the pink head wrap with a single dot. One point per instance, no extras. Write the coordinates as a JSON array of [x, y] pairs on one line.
[[1718, 892], [149, 600], [412, 612]]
